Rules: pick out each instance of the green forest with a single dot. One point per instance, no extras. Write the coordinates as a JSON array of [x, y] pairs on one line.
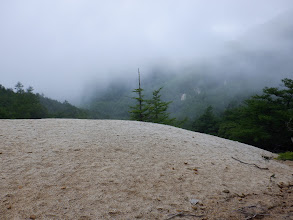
[[263, 120], [24, 104]]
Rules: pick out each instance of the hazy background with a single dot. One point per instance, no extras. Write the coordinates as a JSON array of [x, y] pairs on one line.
[[63, 47]]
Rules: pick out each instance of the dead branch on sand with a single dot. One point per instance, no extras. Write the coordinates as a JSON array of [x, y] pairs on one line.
[[182, 214], [253, 164]]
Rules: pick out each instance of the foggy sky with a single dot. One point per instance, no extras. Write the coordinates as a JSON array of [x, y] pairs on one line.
[[59, 46]]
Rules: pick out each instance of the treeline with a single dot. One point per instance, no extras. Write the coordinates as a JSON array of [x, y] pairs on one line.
[[56, 109], [24, 104], [265, 120]]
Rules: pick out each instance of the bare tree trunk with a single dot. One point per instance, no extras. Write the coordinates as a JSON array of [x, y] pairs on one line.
[[140, 97]]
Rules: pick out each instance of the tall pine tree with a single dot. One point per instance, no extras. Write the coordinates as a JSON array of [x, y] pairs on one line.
[[157, 109], [152, 110], [138, 111]]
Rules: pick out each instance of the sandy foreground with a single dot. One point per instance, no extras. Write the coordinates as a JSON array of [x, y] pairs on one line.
[[110, 169]]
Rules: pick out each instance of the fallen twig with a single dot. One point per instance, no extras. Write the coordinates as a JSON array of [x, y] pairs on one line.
[[182, 214], [256, 215], [252, 212], [253, 164]]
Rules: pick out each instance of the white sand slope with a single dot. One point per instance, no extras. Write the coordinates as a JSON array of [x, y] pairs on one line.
[[110, 169]]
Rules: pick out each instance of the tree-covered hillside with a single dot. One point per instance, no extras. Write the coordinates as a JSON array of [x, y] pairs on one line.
[[24, 104], [263, 120], [20, 104], [57, 109]]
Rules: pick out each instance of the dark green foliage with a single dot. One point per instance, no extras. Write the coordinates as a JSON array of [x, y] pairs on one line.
[[19, 88], [27, 105], [207, 123], [139, 110], [20, 105], [285, 156], [57, 109], [157, 110], [150, 110], [263, 120]]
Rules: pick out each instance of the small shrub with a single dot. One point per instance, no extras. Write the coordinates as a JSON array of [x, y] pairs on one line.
[[285, 156]]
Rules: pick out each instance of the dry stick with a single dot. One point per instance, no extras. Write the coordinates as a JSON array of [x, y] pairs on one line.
[[181, 214], [247, 213], [262, 168], [256, 215]]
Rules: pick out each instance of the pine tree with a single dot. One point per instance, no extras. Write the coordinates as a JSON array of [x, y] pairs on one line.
[[152, 110], [207, 122], [19, 88], [139, 111], [157, 109], [263, 120]]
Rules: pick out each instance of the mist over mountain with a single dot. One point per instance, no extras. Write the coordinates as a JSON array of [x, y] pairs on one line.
[[260, 57], [72, 50]]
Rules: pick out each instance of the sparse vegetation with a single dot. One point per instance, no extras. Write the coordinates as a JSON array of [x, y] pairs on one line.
[[285, 156]]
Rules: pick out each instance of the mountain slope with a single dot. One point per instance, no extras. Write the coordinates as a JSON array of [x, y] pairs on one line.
[[261, 57]]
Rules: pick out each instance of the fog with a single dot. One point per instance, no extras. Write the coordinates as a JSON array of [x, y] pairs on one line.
[[61, 47]]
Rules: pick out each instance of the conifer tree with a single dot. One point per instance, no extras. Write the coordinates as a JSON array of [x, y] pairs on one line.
[[139, 111], [157, 109], [263, 120], [151, 110], [207, 122]]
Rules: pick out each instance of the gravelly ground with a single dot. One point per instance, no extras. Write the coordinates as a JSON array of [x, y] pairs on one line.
[[110, 169]]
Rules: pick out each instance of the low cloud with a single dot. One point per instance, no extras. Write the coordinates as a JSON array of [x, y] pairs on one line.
[[59, 47]]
